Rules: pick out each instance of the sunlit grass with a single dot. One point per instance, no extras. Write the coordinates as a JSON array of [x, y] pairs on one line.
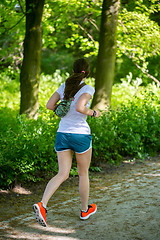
[[10, 94], [129, 89], [122, 93]]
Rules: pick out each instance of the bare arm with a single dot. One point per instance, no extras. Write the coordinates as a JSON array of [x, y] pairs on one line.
[[52, 103], [81, 105]]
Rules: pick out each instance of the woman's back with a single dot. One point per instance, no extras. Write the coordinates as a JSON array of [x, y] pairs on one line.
[[75, 122]]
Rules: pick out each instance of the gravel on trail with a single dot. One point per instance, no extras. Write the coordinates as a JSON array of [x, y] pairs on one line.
[[128, 207]]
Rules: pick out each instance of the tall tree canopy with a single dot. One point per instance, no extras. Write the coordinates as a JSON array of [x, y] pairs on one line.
[[71, 30]]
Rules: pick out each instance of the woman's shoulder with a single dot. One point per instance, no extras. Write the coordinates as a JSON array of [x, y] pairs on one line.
[[62, 85], [88, 89]]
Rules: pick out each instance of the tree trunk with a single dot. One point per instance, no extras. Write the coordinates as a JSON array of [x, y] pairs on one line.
[[30, 71], [106, 54]]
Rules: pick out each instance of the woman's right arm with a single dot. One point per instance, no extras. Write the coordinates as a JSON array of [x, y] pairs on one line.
[[52, 103]]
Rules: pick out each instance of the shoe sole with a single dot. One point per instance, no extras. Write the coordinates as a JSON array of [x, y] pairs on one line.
[[84, 218], [38, 215]]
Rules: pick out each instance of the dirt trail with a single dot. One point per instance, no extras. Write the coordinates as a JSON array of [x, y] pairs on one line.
[[128, 200]]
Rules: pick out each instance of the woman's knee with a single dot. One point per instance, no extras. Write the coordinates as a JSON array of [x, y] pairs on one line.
[[82, 172], [63, 176]]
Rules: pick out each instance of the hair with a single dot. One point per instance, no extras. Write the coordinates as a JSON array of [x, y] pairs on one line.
[[80, 71]]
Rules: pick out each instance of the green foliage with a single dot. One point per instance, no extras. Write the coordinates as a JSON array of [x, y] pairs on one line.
[[71, 30], [129, 128], [138, 39], [138, 35], [11, 33], [27, 148], [71, 25], [48, 85], [130, 88], [74, 170], [9, 86], [52, 61]]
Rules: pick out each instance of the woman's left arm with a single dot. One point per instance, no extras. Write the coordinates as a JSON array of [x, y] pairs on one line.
[[52, 103], [81, 105]]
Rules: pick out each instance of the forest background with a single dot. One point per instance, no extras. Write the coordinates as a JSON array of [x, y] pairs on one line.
[[129, 129]]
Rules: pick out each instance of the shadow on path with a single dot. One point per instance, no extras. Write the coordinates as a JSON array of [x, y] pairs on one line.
[[128, 208]]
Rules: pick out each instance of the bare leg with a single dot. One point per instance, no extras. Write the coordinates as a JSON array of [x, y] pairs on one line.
[[65, 163], [83, 163]]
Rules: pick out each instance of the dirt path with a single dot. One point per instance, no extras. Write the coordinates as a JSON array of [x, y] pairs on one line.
[[128, 200]]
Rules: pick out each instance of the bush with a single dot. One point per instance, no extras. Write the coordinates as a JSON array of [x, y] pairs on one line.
[[132, 130], [27, 149], [129, 129]]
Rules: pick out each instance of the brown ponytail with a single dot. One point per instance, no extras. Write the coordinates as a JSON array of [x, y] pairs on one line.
[[81, 70]]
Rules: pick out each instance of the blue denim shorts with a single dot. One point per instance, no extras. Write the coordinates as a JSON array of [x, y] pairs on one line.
[[79, 143]]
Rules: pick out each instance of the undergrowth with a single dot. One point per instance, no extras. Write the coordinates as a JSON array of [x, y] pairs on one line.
[[129, 129]]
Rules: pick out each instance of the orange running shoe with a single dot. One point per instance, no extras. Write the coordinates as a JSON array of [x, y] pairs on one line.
[[91, 210], [40, 213]]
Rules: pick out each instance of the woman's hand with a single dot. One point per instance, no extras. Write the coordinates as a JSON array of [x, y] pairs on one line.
[[97, 114]]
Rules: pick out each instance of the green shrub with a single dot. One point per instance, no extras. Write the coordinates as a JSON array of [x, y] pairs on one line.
[[132, 130], [129, 89], [129, 128], [27, 149], [9, 87]]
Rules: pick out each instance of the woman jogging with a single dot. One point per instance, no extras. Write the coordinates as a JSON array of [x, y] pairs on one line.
[[73, 135]]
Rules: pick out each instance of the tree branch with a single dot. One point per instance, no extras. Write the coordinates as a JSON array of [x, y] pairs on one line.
[[86, 32], [21, 7], [143, 71], [7, 29], [16, 23], [91, 21]]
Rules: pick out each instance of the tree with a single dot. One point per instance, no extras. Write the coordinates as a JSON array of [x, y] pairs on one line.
[[30, 71], [106, 54], [72, 30]]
